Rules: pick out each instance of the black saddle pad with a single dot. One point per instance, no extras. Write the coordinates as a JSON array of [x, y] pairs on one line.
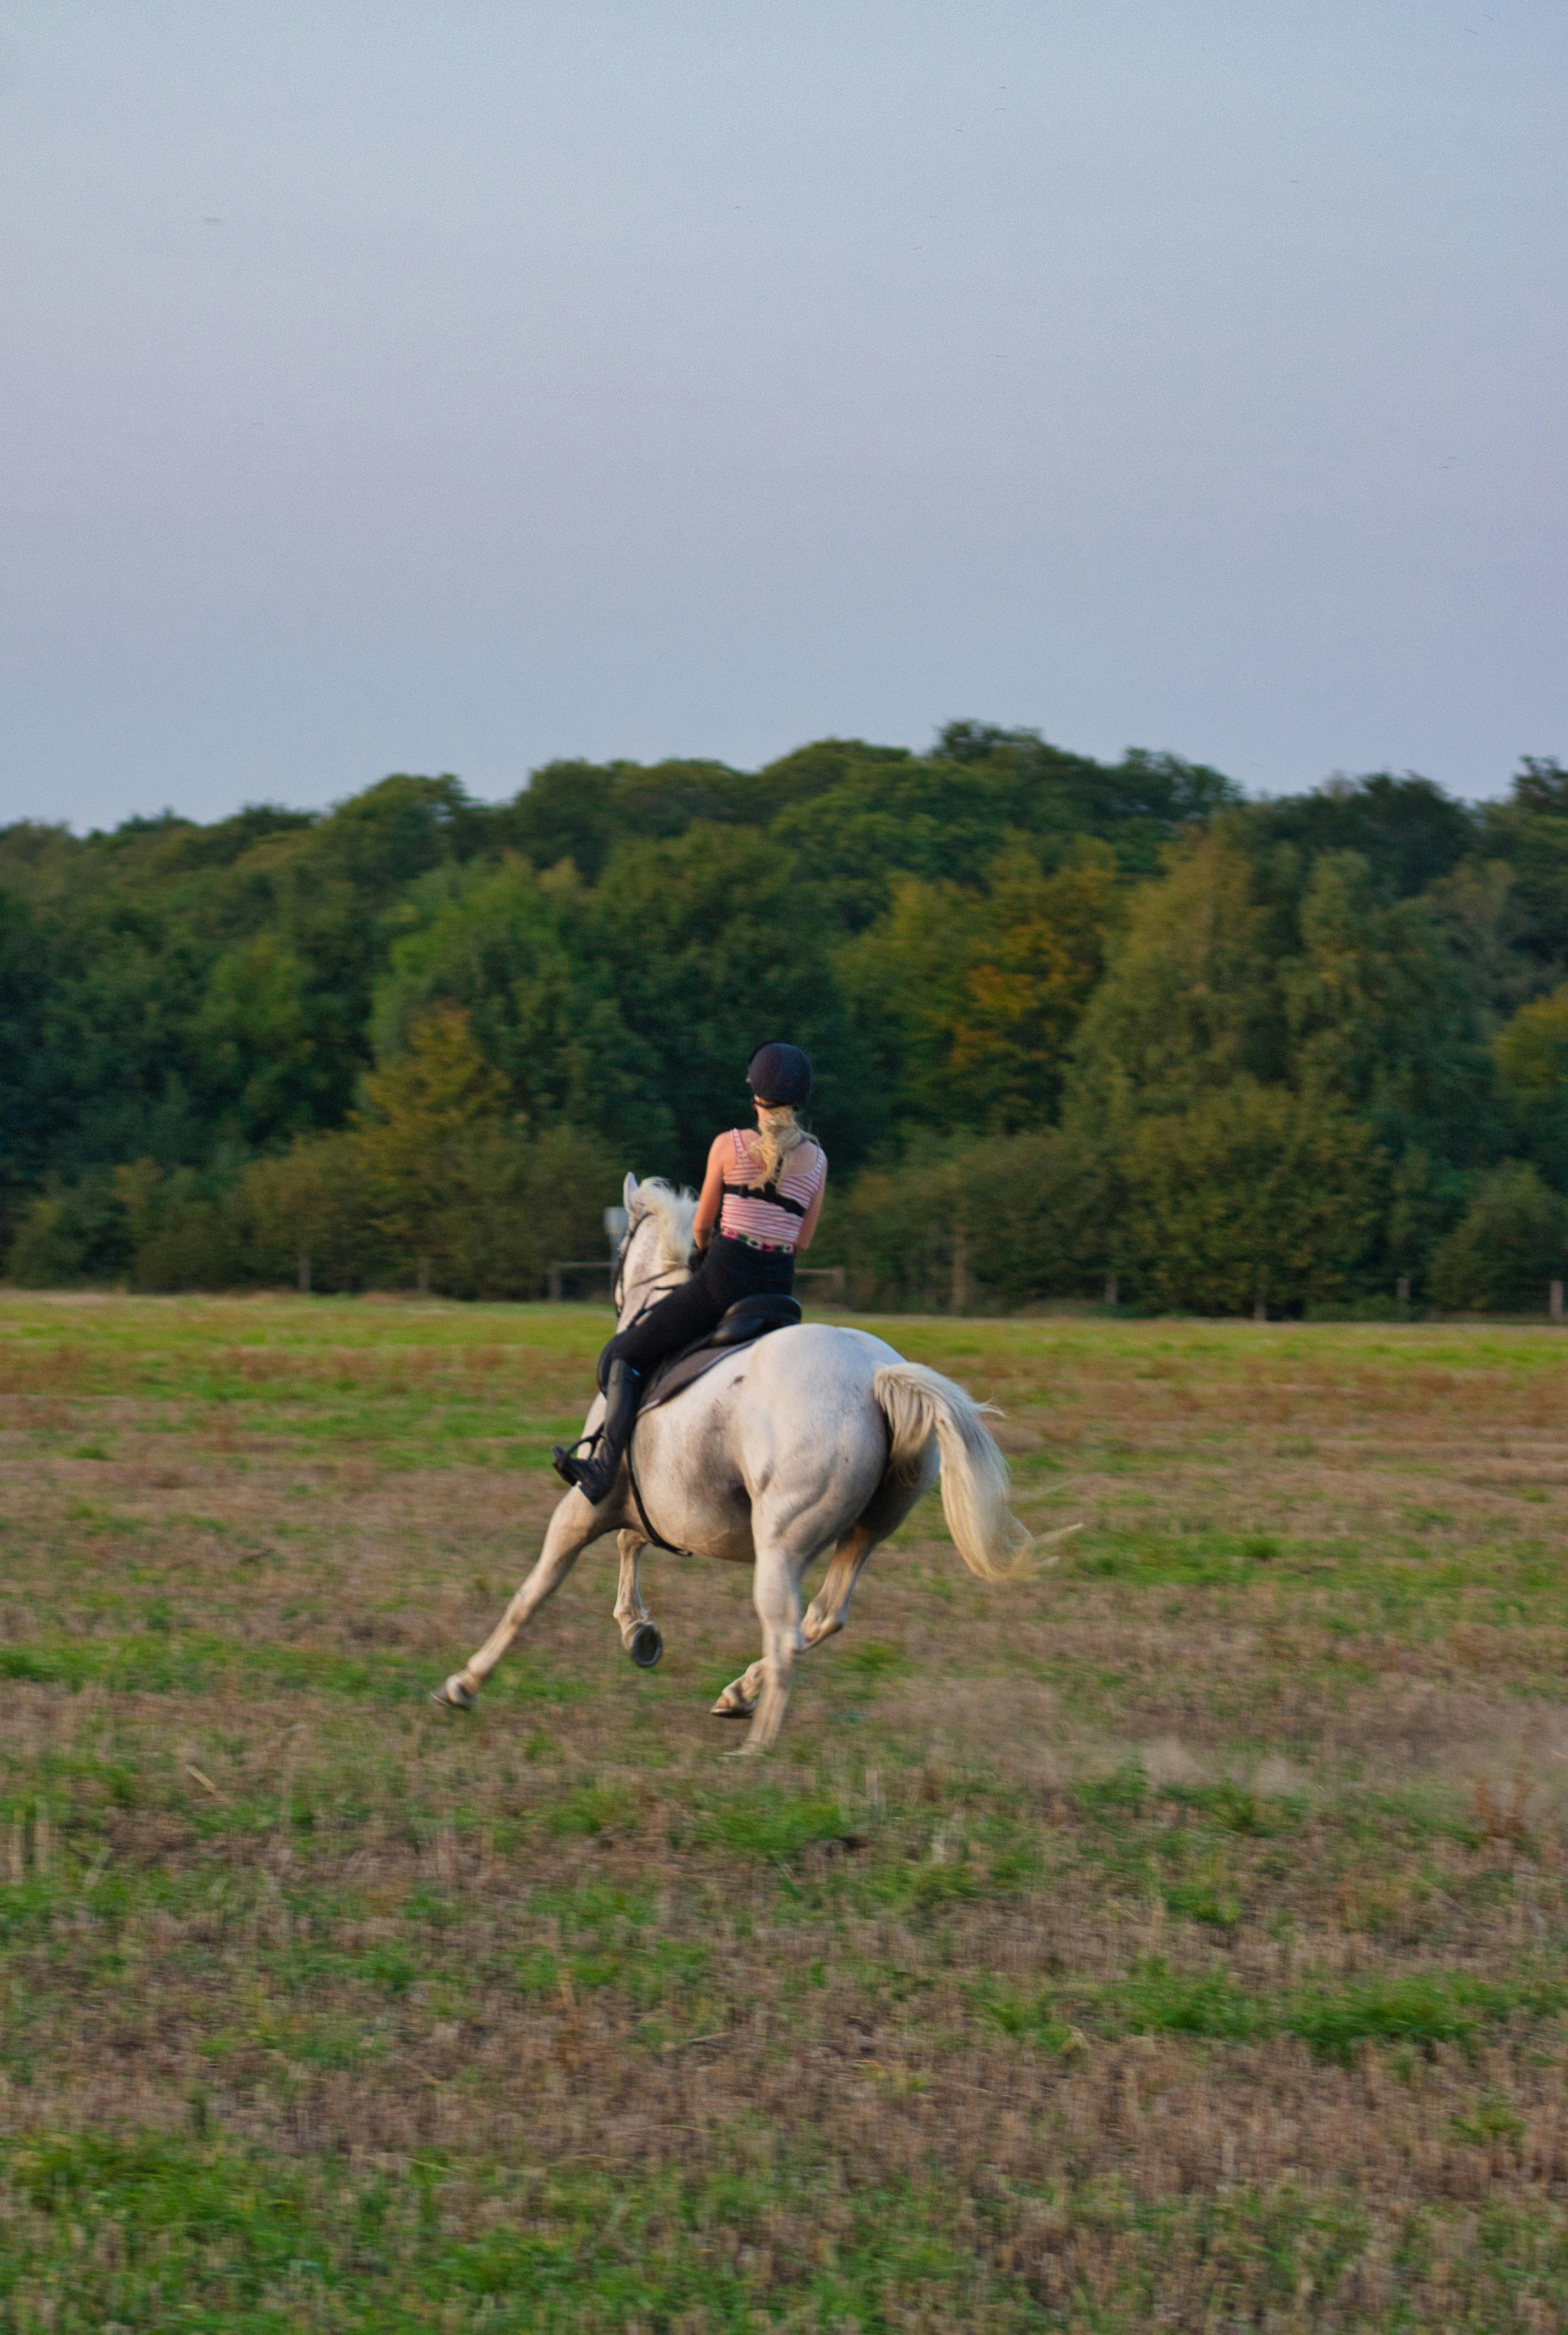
[[749, 1319]]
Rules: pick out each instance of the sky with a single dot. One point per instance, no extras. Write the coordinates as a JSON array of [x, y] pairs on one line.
[[452, 387]]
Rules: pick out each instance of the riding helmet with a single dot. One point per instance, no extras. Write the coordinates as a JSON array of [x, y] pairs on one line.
[[779, 1073]]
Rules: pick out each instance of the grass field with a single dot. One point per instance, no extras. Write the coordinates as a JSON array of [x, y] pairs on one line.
[[1178, 1938]]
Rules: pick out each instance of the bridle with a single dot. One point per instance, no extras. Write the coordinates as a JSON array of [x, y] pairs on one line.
[[670, 1273]]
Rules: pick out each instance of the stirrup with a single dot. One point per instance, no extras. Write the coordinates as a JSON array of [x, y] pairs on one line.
[[565, 1457]]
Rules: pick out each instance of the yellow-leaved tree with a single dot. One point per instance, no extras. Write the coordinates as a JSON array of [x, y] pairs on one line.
[[430, 1116]]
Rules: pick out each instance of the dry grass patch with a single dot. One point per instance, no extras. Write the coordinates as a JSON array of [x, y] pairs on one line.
[[1179, 1938]]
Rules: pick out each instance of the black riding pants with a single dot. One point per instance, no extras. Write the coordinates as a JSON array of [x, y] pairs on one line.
[[730, 1271]]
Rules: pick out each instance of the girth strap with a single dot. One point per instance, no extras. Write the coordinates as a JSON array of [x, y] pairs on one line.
[[654, 1534]]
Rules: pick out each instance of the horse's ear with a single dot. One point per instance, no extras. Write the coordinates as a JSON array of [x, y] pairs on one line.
[[629, 1193]]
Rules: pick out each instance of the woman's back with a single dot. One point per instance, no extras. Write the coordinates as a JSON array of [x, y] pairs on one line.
[[769, 1215]]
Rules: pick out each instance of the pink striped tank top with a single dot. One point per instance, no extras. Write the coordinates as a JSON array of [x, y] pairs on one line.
[[768, 1216]]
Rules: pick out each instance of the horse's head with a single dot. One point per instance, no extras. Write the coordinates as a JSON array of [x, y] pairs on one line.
[[652, 1257]]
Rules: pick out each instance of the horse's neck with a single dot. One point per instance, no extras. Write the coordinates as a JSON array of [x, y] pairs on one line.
[[642, 1294]]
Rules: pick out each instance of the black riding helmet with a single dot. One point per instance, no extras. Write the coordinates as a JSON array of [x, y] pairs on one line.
[[779, 1073]]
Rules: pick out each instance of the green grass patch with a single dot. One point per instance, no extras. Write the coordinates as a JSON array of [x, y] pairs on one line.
[[146, 2231], [591, 1809], [756, 1823], [1418, 2009]]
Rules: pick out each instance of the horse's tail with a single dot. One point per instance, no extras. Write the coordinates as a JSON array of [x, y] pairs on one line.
[[917, 1404]]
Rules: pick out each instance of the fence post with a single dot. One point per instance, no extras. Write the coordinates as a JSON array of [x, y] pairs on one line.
[[555, 1285], [1260, 1307], [1555, 1303], [1402, 1296], [304, 1275], [1112, 1290], [961, 1267]]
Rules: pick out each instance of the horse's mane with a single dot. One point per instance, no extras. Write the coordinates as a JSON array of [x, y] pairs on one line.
[[674, 1211]]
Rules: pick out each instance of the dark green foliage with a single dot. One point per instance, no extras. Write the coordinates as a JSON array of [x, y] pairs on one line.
[[30, 1111], [1531, 1052], [1409, 831], [712, 945], [1381, 1018], [1511, 1242], [1528, 836], [79, 1233], [1257, 1193], [996, 1224], [1073, 1021]]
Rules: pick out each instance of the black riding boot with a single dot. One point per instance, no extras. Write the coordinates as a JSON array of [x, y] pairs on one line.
[[595, 1471]]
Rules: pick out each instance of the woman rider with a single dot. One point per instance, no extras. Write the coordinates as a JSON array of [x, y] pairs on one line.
[[761, 1197]]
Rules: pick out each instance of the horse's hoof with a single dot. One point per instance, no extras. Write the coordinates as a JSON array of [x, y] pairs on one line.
[[646, 1647], [725, 1708], [457, 1694]]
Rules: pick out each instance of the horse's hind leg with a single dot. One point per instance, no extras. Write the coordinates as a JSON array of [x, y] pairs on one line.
[[639, 1630], [827, 1612], [775, 1593], [829, 1609]]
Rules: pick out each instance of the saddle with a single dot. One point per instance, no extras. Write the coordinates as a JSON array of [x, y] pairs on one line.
[[749, 1319]]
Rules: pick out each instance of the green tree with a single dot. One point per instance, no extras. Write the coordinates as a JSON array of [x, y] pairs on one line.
[[518, 1203], [1254, 1194], [1529, 833], [1381, 1019], [415, 1137], [1532, 1050], [47, 1252], [1138, 805], [1532, 1056], [972, 996], [567, 812], [308, 1213], [1408, 832], [1511, 1242], [519, 955], [30, 1069], [929, 819], [183, 1228], [714, 942], [1189, 1003], [255, 1041]]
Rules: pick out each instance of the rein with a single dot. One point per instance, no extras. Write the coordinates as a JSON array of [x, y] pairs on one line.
[[647, 1303], [618, 1296], [649, 1282]]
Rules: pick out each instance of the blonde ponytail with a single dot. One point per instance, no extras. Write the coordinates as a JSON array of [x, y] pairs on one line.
[[779, 1133]]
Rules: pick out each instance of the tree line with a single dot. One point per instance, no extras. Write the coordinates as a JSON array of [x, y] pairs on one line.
[[1082, 1027]]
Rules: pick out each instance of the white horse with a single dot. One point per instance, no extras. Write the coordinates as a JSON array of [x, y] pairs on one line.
[[814, 1439]]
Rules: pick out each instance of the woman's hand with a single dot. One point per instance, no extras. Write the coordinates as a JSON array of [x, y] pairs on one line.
[[713, 1198]]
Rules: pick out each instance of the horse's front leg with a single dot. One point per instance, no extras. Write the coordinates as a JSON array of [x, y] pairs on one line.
[[574, 1524], [639, 1630]]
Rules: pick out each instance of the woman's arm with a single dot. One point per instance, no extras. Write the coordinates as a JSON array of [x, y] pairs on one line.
[[808, 1221], [713, 1198]]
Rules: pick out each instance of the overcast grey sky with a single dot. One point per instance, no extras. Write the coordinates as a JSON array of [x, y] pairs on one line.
[[450, 387]]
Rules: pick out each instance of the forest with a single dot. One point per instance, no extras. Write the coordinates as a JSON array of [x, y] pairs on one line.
[[1083, 1029]]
